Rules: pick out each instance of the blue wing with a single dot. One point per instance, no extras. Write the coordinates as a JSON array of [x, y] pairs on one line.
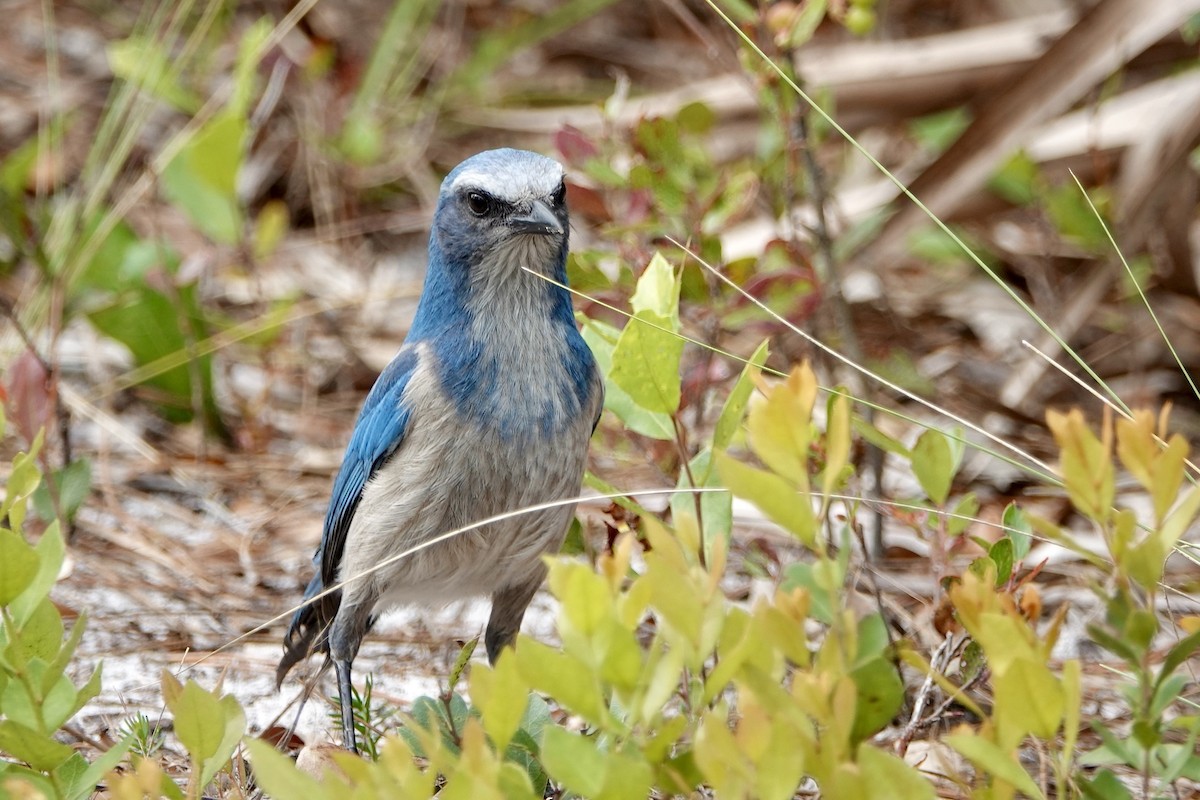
[[377, 435]]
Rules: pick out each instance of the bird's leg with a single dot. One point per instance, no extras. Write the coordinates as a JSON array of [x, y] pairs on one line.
[[345, 699], [508, 609], [345, 636]]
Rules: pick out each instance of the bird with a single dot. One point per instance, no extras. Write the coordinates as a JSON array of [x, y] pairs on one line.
[[488, 407]]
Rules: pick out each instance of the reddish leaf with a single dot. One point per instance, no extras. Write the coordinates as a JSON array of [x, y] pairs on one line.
[[29, 395], [575, 146]]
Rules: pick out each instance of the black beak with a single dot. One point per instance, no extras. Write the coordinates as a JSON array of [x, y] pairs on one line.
[[539, 219]]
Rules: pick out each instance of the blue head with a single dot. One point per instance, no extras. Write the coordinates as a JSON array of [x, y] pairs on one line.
[[497, 212], [496, 329]]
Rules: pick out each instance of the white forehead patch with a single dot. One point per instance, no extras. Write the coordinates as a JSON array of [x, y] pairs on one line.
[[513, 176]]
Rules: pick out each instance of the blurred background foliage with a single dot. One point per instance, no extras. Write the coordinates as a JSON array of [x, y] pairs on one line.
[[212, 224]]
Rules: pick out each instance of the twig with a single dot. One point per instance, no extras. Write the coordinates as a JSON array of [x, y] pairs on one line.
[[923, 695]]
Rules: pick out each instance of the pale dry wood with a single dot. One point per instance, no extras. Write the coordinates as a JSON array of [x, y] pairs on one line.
[[1108, 36], [1118, 122], [1070, 140], [1154, 174], [869, 81]]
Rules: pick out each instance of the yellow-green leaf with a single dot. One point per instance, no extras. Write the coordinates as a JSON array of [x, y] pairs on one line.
[[934, 465], [774, 496], [563, 677], [574, 761], [646, 362], [903, 782], [779, 427], [739, 396], [602, 339], [657, 291], [837, 443], [994, 761], [1029, 699], [501, 697], [18, 566], [278, 774]]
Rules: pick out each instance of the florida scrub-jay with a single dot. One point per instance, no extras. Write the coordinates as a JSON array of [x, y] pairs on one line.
[[487, 407]]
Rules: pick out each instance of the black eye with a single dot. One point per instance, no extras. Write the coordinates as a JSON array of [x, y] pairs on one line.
[[560, 194], [478, 203]]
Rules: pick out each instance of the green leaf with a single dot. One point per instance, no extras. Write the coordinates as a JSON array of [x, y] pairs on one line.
[[428, 713], [716, 508], [995, 761], [881, 769], [50, 553], [208, 726], [1030, 698], [962, 515], [85, 783], [1166, 692], [586, 598], [88, 691], [872, 639], [657, 292], [1104, 786], [501, 697], [67, 649], [772, 494], [157, 330], [143, 62], [602, 339], [1178, 521], [1018, 529], [880, 695], [695, 118], [623, 658], [1145, 561], [934, 465], [22, 481], [1113, 644], [673, 596], [823, 602], [59, 703], [1073, 216], [574, 761], [278, 774], [42, 633], [1001, 554], [646, 362], [270, 227], [202, 179], [1017, 181], [804, 23], [563, 677], [251, 50], [38, 751], [739, 396], [880, 439], [74, 483], [1181, 759], [938, 131], [461, 661], [837, 443], [1179, 653], [18, 565], [1168, 475], [780, 427], [199, 723], [628, 776]]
